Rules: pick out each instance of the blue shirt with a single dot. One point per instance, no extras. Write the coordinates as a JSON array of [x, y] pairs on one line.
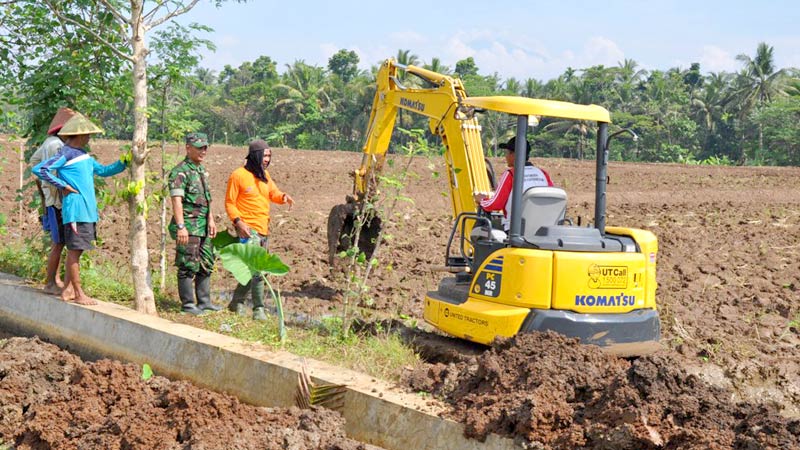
[[76, 168]]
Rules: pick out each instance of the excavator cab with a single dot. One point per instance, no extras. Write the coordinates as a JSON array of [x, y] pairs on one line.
[[596, 282]]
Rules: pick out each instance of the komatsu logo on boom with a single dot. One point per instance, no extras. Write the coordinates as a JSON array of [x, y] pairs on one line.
[[412, 104]]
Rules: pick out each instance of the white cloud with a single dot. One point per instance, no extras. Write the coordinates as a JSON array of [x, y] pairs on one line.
[[525, 57], [715, 59], [601, 50], [509, 55], [407, 39]]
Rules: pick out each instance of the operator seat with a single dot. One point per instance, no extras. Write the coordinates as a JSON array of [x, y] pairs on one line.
[[542, 206]]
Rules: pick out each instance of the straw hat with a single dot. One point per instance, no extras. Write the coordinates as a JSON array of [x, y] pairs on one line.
[[79, 124], [61, 117]]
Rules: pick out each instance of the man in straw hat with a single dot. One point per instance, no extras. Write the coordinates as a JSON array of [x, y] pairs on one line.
[[75, 180], [51, 201]]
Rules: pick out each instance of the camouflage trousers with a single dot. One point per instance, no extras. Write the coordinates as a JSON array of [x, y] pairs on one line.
[[196, 257]]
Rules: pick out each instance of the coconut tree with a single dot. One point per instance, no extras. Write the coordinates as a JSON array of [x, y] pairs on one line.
[[532, 88], [627, 79], [757, 84], [303, 96], [708, 105], [437, 66]]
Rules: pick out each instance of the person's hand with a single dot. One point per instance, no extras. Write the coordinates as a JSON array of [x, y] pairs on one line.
[[126, 157], [68, 190], [479, 198], [287, 199], [242, 229], [183, 236], [212, 228]]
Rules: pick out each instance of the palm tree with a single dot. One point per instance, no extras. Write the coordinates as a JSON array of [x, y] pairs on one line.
[[627, 78], [512, 86], [303, 94], [437, 66], [407, 58], [793, 88], [758, 83], [708, 105], [533, 88]]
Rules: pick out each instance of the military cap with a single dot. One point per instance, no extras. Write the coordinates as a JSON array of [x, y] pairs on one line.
[[197, 140]]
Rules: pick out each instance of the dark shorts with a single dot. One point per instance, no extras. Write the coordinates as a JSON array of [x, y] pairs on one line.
[[79, 235], [51, 222]]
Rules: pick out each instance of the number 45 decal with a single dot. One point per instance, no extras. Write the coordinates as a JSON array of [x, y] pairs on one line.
[[487, 284]]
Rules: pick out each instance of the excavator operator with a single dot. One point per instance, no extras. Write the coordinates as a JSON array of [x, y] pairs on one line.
[[501, 200]]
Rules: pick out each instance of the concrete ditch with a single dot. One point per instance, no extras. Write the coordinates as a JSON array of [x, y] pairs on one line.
[[375, 413]]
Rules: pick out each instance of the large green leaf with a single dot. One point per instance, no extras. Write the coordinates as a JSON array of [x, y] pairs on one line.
[[245, 260], [223, 239]]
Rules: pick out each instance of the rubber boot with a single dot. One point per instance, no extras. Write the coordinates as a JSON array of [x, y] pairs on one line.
[[259, 314], [186, 294], [258, 299], [239, 296], [202, 288]]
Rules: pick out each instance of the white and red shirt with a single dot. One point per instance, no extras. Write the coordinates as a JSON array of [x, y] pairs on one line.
[[501, 200]]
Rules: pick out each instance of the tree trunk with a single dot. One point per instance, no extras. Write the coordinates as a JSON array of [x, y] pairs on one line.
[[760, 143], [162, 247], [144, 300]]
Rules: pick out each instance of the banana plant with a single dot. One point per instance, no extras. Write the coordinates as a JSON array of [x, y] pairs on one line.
[[244, 261]]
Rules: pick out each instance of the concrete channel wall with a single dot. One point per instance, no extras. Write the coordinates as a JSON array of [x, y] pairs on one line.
[[375, 413]]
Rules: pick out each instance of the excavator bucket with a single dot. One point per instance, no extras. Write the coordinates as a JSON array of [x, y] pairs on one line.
[[343, 227]]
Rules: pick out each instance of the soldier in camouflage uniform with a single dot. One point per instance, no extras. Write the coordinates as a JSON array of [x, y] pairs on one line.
[[193, 226]]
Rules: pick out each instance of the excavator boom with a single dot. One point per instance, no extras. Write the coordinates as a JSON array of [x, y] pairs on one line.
[[439, 101]]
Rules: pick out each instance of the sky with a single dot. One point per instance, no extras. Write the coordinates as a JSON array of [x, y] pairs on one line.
[[521, 39]]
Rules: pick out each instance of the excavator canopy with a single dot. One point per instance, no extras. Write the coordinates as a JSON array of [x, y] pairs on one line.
[[537, 107]]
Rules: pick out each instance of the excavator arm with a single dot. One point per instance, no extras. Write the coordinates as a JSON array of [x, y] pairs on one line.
[[441, 101]]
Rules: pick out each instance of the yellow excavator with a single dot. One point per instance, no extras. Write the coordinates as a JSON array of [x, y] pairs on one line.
[[596, 282]]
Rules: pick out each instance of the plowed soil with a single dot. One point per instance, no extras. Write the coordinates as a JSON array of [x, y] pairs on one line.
[[729, 295], [50, 398]]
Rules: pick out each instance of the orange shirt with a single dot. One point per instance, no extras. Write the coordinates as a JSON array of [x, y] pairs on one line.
[[248, 198]]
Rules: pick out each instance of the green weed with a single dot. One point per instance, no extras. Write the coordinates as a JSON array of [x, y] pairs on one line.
[[20, 261]]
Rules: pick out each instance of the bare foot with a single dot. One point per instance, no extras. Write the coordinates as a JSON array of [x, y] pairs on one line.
[[53, 289], [59, 284], [84, 300], [68, 294]]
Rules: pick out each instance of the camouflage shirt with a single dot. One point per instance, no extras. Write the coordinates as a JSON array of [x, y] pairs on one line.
[[190, 181]]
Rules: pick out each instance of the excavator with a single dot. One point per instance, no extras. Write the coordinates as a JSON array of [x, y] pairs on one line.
[[593, 282]]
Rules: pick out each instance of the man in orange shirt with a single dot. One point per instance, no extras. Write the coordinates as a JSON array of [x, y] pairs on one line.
[[247, 201]]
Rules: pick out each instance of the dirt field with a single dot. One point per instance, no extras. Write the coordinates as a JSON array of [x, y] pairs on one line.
[[728, 273], [51, 399]]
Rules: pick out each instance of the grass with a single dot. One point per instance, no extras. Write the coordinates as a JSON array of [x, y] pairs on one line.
[[382, 355]]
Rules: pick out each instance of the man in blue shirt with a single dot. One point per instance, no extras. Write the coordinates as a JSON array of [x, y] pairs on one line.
[[72, 172]]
